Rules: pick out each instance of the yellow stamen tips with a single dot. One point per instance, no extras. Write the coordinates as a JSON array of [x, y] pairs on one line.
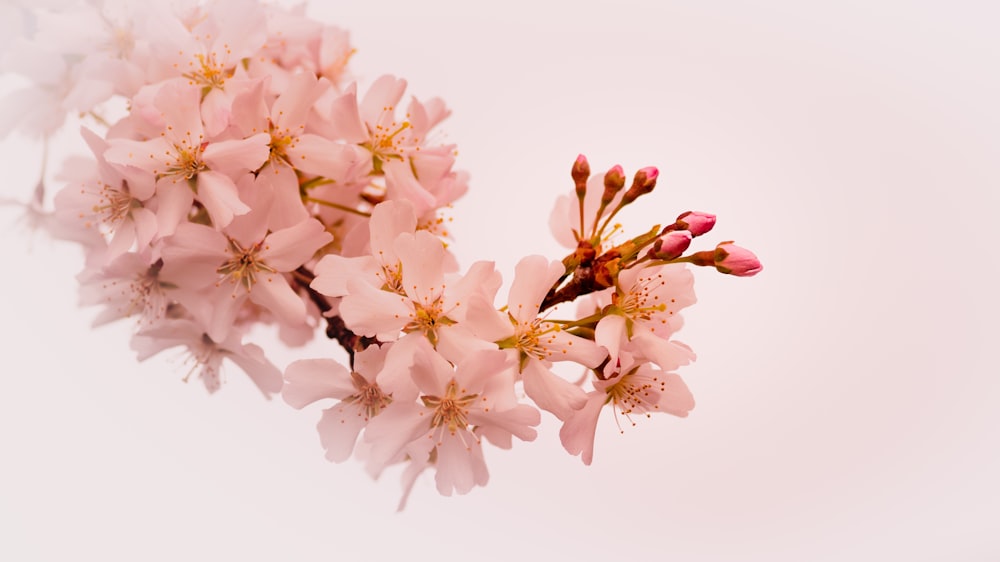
[[639, 302], [369, 397], [387, 142], [535, 339], [242, 269], [426, 318], [281, 141], [208, 72], [635, 395], [385, 137], [114, 205], [187, 165], [144, 296], [392, 278], [451, 411], [437, 225]]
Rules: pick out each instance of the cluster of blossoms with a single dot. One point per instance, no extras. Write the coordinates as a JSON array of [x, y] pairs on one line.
[[250, 182]]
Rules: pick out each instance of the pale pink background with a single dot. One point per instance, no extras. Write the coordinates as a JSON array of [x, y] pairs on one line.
[[847, 405]]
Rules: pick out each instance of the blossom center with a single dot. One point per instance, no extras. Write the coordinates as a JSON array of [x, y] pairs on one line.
[[369, 396], [635, 395], [121, 42], [205, 358], [384, 139], [114, 205], [208, 72], [426, 318], [243, 267], [451, 411], [187, 162], [387, 141], [393, 278], [281, 141], [641, 300], [528, 338], [147, 294]]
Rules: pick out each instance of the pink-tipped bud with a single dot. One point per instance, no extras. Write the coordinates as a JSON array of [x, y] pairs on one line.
[[643, 183], [734, 260], [695, 222], [580, 173], [614, 181], [671, 246]]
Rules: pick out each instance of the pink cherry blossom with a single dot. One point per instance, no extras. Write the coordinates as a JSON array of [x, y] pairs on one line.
[[360, 392], [644, 312], [296, 44], [54, 90], [381, 267], [206, 354], [430, 306], [128, 286], [457, 405], [111, 201], [534, 342], [642, 390], [414, 168], [233, 269], [237, 179], [187, 165], [292, 147], [205, 48]]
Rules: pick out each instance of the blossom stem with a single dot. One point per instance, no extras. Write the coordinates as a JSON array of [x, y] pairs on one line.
[[607, 220], [315, 182], [642, 260], [333, 205], [592, 319], [102, 121]]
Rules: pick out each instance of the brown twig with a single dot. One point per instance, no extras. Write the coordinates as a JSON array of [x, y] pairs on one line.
[[335, 327]]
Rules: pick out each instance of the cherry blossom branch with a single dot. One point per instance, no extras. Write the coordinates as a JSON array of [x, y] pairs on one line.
[[252, 182]]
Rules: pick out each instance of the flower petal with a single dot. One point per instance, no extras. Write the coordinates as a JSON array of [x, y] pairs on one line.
[[309, 380], [551, 392], [338, 428]]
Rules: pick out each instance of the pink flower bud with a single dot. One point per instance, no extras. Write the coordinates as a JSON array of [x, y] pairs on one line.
[[580, 173], [671, 246], [695, 222], [647, 177], [614, 181], [734, 260], [643, 183]]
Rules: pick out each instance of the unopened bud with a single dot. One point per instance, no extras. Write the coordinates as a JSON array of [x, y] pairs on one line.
[[734, 260], [643, 183], [695, 222], [580, 173], [670, 246], [614, 181]]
